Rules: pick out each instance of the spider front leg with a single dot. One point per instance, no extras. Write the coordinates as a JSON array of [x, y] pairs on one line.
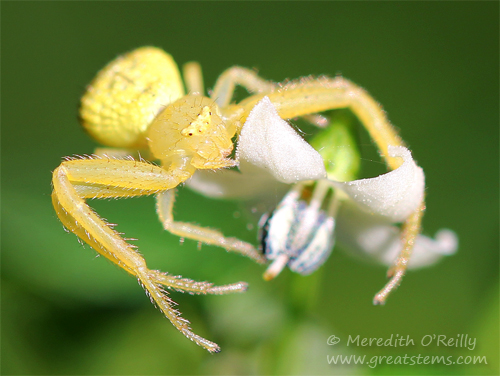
[[410, 230], [76, 180]]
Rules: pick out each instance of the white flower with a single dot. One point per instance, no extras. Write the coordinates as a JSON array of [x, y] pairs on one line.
[[300, 233], [268, 142]]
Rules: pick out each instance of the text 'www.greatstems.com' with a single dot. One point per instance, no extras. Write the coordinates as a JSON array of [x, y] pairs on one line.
[[406, 359]]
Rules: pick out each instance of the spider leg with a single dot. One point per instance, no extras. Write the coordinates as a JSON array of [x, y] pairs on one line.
[[75, 180], [305, 97], [164, 207], [317, 120], [225, 85], [193, 78], [410, 230]]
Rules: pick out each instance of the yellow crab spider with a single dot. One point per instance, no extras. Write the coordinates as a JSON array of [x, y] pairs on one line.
[[137, 104]]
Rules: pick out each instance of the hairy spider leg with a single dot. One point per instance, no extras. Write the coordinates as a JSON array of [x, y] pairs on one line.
[[226, 84], [164, 207], [76, 180]]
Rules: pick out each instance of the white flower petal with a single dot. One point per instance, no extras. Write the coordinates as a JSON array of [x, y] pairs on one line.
[[269, 142], [375, 237], [428, 251], [255, 182], [394, 195]]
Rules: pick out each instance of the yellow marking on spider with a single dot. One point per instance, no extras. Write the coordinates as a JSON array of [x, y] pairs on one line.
[[200, 125]]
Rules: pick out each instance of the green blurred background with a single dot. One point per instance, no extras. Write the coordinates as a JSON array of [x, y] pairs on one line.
[[433, 66]]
